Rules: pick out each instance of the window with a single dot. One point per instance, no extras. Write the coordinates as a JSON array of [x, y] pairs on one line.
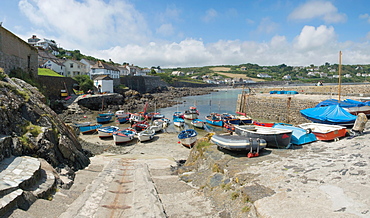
[[71, 65]]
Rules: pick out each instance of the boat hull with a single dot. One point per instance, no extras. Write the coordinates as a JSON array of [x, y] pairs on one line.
[[146, 135], [275, 138], [106, 132], [198, 123], [89, 129], [188, 137], [238, 143], [300, 136], [325, 132], [123, 136]]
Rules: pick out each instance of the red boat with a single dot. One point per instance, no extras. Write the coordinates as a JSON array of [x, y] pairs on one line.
[[263, 124]]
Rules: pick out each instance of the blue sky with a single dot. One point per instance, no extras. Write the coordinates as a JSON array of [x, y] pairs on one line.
[[178, 33]]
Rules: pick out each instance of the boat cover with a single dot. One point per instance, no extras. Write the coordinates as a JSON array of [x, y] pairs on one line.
[[346, 103], [332, 114], [299, 136]]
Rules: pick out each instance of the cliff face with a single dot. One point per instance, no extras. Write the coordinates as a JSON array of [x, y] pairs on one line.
[[29, 127]]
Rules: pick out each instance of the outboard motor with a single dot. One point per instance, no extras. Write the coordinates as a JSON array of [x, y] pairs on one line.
[[359, 126]]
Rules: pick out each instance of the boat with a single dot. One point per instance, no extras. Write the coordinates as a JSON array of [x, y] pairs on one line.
[[178, 114], [89, 128], [188, 137], [105, 114], [136, 117], [263, 124], [120, 113], [198, 123], [157, 125], [146, 135], [214, 119], [154, 115], [351, 106], [179, 122], [325, 132], [300, 136], [81, 124], [191, 114], [278, 138], [244, 119], [125, 135], [230, 119], [332, 114], [103, 119], [123, 117], [229, 127], [239, 143], [107, 131], [140, 126]]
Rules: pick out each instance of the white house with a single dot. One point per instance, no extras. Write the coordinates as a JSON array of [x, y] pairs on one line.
[[103, 83], [101, 68], [56, 65], [287, 77], [123, 70], [88, 64], [74, 68], [263, 75], [178, 73]]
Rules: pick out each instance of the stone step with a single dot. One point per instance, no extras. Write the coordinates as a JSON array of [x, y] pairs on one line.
[[10, 201], [18, 172]]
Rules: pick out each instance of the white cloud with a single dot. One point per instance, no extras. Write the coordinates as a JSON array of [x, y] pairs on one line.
[[318, 9], [365, 16], [210, 15], [165, 30], [312, 38], [92, 22], [267, 26]]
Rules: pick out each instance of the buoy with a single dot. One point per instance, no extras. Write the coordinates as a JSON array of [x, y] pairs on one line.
[[179, 142], [85, 116]]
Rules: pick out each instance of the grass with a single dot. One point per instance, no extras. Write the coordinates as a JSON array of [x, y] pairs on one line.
[[47, 72]]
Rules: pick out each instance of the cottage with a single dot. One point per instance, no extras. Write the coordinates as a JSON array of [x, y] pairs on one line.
[[74, 68], [104, 84], [178, 73], [56, 65], [102, 68]]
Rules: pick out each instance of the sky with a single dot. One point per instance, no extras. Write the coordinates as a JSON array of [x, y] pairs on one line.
[[196, 33]]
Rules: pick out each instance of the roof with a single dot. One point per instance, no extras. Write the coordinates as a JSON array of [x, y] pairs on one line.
[[103, 65], [102, 77]]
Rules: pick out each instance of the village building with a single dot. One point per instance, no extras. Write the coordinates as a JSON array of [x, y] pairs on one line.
[[103, 83], [74, 68], [102, 68]]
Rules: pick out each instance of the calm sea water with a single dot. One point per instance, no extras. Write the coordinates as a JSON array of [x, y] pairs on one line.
[[223, 101]]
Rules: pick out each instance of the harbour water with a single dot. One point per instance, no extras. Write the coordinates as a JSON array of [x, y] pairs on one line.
[[223, 101]]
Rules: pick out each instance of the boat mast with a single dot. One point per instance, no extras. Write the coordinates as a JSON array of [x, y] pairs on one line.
[[339, 72]]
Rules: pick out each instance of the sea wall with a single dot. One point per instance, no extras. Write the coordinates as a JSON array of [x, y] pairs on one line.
[[54, 85], [143, 84]]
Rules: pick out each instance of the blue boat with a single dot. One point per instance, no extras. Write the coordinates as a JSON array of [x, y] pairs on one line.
[[299, 136], [214, 119], [89, 128], [352, 106], [188, 137], [198, 123], [179, 122], [107, 131], [103, 119], [230, 119], [105, 114], [332, 114]]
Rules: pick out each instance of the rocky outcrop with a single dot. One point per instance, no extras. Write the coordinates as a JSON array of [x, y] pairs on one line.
[[29, 127]]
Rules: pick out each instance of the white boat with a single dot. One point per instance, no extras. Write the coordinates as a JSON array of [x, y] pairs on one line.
[[198, 123], [157, 125], [107, 131], [179, 122], [191, 114], [325, 132], [124, 135], [188, 137], [146, 135]]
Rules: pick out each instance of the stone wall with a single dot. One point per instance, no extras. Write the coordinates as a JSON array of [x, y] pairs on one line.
[[54, 84], [17, 54], [143, 84]]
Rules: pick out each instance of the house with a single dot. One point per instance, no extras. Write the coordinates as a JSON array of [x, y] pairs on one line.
[[88, 64], [74, 68], [102, 68], [135, 71], [178, 73], [103, 83], [264, 75], [190, 73], [287, 77], [17, 54], [243, 68], [195, 77], [44, 56], [56, 65], [347, 75], [123, 70]]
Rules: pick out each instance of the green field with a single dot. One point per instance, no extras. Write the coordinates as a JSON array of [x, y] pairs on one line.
[[47, 72]]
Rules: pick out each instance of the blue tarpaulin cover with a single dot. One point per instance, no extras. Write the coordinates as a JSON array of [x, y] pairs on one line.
[[346, 103], [333, 114]]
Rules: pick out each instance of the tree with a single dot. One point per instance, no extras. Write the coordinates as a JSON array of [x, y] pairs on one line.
[[84, 82]]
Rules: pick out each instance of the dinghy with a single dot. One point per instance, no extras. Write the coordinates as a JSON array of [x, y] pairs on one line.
[[107, 131], [146, 135], [124, 135], [188, 137], [325, 132]]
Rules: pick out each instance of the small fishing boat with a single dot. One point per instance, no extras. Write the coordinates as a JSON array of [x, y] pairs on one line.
[[351, 106], [263, 124], [122, 116], [299, 136], [325, 132], [239, 143], [105, 114], [140, 126], [81, 124], [188, 137], [229, 127], [179, 122], [214, 119], [146, 135], [120, 113], [191, 114], [244, 119], [89, 128], [332, 114], [137, 117], [229, 118], [178, 114], [104, 119], [278, 138], [198, 123], [154, 116], [125, 135], [107, 131]]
